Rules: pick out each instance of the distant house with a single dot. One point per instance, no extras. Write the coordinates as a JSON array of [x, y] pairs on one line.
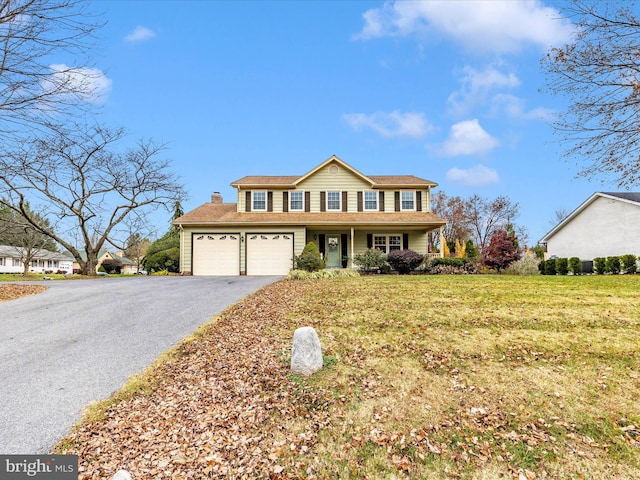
[[126, 266], [44, 261], [341, 210], [606, 224]]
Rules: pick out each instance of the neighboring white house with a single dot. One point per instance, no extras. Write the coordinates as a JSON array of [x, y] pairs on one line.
[[11, 261], [606, 224]]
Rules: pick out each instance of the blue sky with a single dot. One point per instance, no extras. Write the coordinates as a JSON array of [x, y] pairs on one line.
[[447, 91]]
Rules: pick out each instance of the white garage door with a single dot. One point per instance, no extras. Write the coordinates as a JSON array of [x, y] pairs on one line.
[[269, 253], [216, 254]]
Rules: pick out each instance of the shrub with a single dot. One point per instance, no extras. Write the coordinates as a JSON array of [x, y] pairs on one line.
[[333, 273], [575, 265], [404, 261], [599, 265], [550, 266], [527, 265], [310, 259], [629, 263], [370, 260], [541, 265], [562, 266], [501, 251], [168, 259], [471, 251], [452, 266], [612, 265]]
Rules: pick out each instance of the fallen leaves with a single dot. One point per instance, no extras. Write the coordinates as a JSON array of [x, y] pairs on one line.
[[11, 291]]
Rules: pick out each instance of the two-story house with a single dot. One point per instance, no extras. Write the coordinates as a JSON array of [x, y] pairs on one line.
[[338, 208]]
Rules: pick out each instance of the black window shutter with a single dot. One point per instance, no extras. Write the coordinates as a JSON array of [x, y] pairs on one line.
[[247, 202], [359, 201], [321, 243], [285, 201], [397, 201], [405, 241], [343, 241], [323, 201], [307, 201], [369, 240], [381, 206], [418, 201], [269, 201], [344, 201]]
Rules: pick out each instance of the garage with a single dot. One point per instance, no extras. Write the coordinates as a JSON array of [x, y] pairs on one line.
[[269, 253], [216, 254]]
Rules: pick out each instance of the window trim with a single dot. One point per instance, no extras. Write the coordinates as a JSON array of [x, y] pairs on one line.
[[253, 201], [387, 244], [339, 193], [413, 194], [364, 201], [301, 209]]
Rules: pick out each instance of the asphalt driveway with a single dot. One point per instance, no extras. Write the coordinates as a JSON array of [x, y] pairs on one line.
[[80, 340]]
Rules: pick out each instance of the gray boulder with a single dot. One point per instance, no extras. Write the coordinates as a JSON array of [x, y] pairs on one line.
[[306, 356], [122, 475]]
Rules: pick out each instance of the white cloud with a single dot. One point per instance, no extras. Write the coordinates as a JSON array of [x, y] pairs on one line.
[[473, 177], [468, 138], [476, 87], [89, 85], [140, 34], [511, 106], [480, 26], [392, 124]]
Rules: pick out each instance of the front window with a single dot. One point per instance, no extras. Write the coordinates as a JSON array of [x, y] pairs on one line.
[[296, 201], [387, 243], [259, 201], [1, 261], [371, 200], [17, 262], [407, 200], [333, 201]]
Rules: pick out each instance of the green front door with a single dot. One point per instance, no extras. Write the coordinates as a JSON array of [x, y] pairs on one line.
[[334, 257]]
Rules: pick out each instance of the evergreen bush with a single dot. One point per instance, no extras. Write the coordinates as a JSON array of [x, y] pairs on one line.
[[550, 266], [629, 263], [612, 265], [404, 261], [371, 260], [575, 265], [562, 266], [599, 264], [310, 259]]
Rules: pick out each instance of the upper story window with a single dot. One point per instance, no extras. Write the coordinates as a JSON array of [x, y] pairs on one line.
[[333, 201], [371, 201], [296, 200], [407, 200], [259, 201]]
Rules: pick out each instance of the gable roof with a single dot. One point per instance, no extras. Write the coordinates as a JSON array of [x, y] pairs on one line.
[[9, 251], [626, 197], [401, 181]]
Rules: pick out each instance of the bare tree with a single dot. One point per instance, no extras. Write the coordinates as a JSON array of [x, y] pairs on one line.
[[487, 216], [83, 184], [38, 39], [598, 72], [455, 210], [558, 216]]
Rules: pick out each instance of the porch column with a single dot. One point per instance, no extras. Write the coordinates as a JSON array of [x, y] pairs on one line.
[[442, 240], [352, 250]]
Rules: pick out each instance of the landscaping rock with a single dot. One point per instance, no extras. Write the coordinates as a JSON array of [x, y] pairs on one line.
[[122, 475], [306, 356]]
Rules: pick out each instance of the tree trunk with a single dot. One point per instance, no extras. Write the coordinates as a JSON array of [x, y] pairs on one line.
[[25, 270], [89, 267]]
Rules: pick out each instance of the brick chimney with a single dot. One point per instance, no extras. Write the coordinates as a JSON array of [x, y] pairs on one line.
[[216, 198]]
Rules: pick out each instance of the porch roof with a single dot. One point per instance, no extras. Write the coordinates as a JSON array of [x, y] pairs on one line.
[[211, 214]]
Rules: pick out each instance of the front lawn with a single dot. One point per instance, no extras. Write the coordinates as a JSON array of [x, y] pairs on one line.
[[426, 377]]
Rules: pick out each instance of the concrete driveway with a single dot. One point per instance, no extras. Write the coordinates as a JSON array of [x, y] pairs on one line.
[[80, 340]]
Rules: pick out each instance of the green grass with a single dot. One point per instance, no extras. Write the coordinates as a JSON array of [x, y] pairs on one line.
[[549, 362]]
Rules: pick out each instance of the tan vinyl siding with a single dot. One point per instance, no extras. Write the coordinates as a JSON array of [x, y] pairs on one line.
[[343, 180]]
